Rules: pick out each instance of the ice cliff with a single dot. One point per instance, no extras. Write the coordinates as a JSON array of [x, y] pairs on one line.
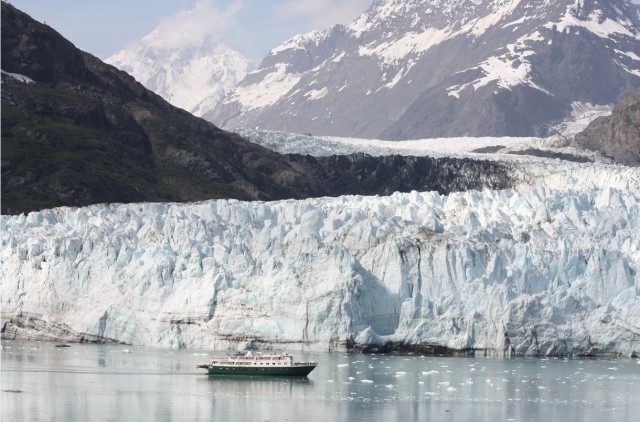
[[550, 270]]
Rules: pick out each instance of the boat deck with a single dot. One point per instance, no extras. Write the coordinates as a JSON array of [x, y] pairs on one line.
[[258, 364]]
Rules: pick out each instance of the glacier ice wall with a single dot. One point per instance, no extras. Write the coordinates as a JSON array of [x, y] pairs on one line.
[[541, 271]]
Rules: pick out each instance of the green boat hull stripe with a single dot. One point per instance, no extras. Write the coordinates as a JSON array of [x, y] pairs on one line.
[[298, 371]]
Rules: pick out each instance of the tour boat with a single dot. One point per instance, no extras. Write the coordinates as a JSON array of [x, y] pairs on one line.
[[255, 363]]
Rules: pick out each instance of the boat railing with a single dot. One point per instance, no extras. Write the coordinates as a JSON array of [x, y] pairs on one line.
[[252, 357]]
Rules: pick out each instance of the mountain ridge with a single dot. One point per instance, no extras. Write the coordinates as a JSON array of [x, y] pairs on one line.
[[85, 132], [484, 68]]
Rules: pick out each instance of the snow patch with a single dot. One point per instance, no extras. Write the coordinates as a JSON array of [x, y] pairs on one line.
[[268, 91], [507, 70], [595, 24], [629, 54], [339, 58], [635, 72], [481, 25], [19, 77], [506, 73], [410, 44], [399, 75], [298, 42], [316, 94]]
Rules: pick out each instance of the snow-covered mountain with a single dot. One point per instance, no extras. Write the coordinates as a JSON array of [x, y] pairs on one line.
[[527, 270], [411, 69], [193, 77]]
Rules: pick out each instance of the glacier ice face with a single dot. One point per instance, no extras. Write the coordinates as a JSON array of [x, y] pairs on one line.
[[549, 270]]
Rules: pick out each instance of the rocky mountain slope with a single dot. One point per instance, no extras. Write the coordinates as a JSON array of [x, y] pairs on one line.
[[411, 69], [84, 132], [194, 78], [617, 135]]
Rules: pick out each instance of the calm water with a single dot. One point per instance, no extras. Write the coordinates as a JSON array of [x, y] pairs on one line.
[[41, 382]]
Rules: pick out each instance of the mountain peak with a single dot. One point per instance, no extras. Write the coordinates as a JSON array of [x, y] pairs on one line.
[[87, 133], [193, 76]]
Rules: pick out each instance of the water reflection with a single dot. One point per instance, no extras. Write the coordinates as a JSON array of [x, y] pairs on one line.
[[94, 382], [271, 389]]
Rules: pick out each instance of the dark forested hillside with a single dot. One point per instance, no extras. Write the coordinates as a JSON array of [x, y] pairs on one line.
[[84, 132]]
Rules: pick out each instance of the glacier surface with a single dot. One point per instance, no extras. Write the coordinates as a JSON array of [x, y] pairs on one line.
[[549, 267], [506, 148]]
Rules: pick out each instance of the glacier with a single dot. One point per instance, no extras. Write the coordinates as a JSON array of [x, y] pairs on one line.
[[549, 267], [506, 148]]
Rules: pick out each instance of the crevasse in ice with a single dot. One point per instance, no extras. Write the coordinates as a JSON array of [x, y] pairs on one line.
[[550, 270]]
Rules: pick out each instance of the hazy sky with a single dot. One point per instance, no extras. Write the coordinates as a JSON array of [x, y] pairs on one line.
[[252, 27]]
